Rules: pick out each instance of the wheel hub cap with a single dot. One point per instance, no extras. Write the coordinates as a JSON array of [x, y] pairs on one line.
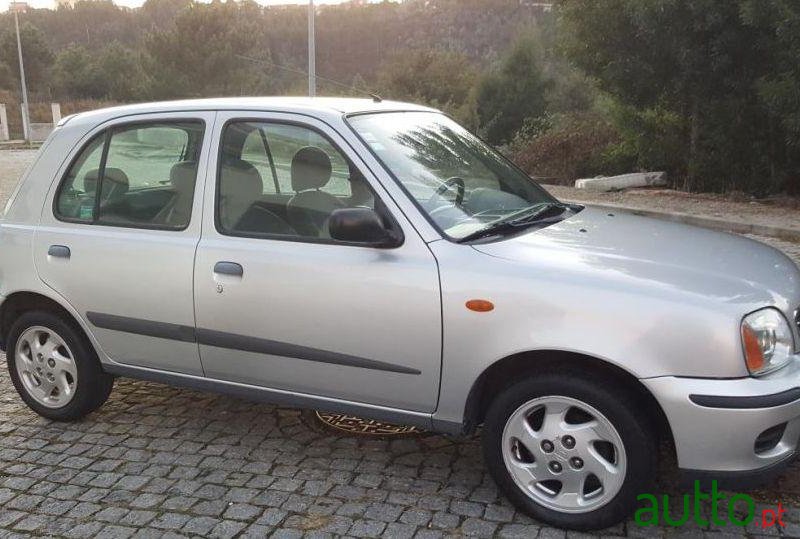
[[564, 454], [46, 367]]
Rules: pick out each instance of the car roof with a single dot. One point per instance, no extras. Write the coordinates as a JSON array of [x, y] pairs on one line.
[[319, 107]]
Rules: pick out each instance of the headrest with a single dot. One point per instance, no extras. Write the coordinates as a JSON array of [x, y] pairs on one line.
[[241, 180], [311, 169], [115, 179], [182, 175]]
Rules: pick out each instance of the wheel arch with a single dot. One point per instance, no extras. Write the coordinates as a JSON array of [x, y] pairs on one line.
[[510, 369], [23, 301]]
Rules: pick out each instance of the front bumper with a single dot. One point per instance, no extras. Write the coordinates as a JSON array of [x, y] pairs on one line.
[[739, 480], [716, 423]]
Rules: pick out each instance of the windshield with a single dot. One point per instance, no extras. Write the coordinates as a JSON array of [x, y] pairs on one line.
[[461, 183]]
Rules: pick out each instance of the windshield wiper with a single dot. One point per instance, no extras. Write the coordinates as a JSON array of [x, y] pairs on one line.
[[537, 214]]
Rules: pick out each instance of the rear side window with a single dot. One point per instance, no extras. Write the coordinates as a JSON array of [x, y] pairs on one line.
[[140, 176], [76, 195]]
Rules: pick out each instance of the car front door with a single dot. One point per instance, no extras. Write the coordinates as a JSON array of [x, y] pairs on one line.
[[118, 235], [283, 306]]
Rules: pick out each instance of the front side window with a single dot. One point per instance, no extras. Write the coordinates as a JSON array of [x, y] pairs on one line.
[[278, 179], [465, 187], [140, 175]]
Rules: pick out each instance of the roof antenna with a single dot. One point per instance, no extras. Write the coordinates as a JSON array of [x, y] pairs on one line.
[[376, 98]]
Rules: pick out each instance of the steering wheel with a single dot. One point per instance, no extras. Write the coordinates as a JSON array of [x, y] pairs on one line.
[[448, 185]]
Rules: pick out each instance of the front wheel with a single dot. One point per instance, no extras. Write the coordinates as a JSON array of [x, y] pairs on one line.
[[54, 368], [569, 452]]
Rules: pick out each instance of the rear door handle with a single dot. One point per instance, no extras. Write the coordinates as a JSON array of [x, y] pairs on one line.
[[59, 251], [228, 268]]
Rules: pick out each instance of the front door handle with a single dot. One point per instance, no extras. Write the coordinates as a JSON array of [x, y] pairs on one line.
[[228, 268], [59, 251]]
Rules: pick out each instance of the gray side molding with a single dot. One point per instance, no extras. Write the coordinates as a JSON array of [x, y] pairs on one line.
[[275, 348], [245, 343], [138, 326]]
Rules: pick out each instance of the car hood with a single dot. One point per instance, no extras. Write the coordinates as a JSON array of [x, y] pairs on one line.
[[666, 258]]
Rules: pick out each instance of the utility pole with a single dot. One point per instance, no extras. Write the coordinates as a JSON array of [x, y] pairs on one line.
[[25, 113], [312, 52]]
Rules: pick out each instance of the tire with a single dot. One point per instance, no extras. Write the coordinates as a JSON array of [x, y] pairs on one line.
[[55, 369], [533, 479]]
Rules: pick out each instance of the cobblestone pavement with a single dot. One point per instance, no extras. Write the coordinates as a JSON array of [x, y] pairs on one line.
[[158, 461]]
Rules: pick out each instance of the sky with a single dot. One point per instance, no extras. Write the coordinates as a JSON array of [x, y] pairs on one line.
[[136, 3]]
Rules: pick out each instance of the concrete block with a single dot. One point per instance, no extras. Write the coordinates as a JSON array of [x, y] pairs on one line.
[[624, 181], [3, 123]]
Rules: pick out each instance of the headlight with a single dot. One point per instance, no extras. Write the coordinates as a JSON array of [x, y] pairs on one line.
[[767, 340]]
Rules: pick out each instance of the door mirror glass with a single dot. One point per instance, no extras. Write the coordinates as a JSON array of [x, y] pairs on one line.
[[360, 225]]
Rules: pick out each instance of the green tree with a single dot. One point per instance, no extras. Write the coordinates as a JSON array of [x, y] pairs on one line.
[[778, 25], [114, 73], [433, 76], [441, 79], [122, 72], [74, 74], [202, 54], [514, 93], [6, 78], [156, 12], [36, 54], [687, 70]]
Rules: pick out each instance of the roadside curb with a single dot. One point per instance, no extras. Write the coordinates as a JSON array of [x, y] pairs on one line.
[[787, 234], [19, 145]]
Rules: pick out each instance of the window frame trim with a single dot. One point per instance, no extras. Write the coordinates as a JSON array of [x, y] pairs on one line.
[[263, 136], [108, 132], [400, 235]]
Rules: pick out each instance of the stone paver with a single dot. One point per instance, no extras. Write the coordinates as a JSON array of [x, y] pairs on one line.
[[158, 461]]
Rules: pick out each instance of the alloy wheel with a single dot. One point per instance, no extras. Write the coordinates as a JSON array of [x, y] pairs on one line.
[[564, 454], [46, 367]]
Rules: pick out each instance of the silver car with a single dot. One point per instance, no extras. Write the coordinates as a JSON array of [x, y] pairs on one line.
[[375, 258]]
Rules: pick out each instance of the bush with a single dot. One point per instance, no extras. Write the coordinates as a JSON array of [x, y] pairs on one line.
[[517, 91], [562, 148]]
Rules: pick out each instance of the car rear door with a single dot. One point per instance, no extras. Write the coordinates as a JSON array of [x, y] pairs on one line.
[[118, 236], [302, 315]]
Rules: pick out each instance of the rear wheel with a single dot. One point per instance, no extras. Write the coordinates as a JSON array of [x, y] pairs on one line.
[[568, 451], [54, 368]]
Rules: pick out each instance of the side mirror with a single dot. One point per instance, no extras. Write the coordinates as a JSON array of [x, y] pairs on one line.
[[360, 225]]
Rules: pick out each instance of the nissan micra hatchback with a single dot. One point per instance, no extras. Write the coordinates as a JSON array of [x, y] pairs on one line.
[[376, 258]]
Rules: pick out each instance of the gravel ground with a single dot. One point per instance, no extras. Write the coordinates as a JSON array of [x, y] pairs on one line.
[[159, 461], [13, 164]]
